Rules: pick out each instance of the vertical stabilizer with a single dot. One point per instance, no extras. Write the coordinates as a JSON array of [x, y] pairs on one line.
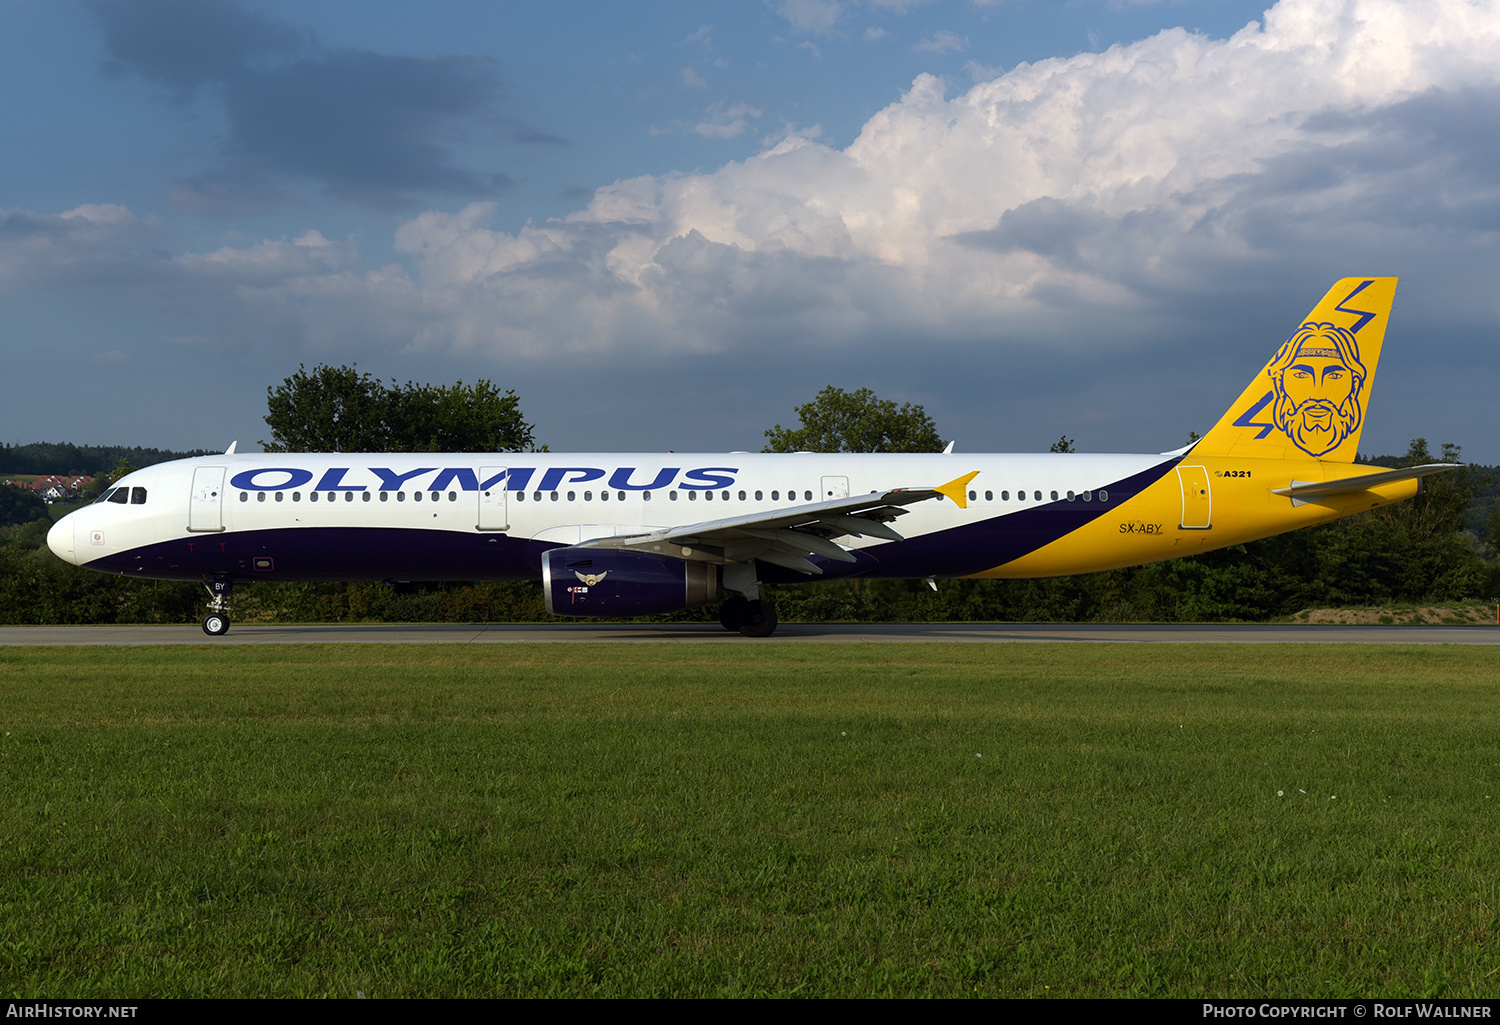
[[1310, 400]]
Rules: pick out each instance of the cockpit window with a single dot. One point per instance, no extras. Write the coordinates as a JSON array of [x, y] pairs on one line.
[[104, 497], [120, 495], [137, 496]]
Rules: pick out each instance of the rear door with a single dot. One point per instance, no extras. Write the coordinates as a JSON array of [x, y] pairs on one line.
[[206, 503], [1197, 501]]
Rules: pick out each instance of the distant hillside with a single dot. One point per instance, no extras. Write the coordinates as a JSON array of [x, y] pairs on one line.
[[46, 458]]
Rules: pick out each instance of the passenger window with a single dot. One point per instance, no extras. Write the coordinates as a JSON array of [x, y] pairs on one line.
[[348, 496], [692, 496], [972, 496], [520, 496], [1020, 496], [244, 496], [1070, 496], [364, 496], [1005, 496], [776, 496], [1037, 495], [620, 496], [260, 496], [672, 495], [1088, 496], [645, 496], [280, 496], [572, 496], [416, 496], [312, 496], [588, 496], [989, 496], [453, 495], [807, 496], [742, 496], [385, 496], [1103, 496], [708, 496], [536, 496], [554, 496], [296, 496], [725, 496], [401, 496], [758, 495]]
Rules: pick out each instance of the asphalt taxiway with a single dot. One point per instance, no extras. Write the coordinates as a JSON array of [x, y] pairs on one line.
[[809, 633]]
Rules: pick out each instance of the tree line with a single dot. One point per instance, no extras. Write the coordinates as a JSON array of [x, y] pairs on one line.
[[1438, 548]]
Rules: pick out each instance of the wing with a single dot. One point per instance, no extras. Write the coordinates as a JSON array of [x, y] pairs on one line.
[[789, 536]]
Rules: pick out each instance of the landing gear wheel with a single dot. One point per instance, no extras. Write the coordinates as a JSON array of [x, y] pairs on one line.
[[215, 625], [757, 619], [731, 611]]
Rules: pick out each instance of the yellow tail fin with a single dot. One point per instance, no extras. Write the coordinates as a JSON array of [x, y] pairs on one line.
[[1310, 400]]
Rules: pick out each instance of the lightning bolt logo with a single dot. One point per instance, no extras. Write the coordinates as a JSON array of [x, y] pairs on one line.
[[1364, 317]]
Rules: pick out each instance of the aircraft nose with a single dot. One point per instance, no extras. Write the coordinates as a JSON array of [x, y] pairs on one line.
[[60, 539]]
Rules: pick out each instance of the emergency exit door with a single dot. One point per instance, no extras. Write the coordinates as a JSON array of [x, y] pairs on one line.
[[492, 510]]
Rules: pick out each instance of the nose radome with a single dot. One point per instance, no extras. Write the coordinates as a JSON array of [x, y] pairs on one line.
[[60, 539]]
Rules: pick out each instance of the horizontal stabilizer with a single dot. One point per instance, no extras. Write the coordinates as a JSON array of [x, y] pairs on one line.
[[1302, 492]]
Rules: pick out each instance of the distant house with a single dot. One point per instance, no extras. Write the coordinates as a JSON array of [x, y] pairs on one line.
[[55, 487]]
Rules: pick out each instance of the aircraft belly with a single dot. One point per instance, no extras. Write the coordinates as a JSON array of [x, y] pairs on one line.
[[333, 553]]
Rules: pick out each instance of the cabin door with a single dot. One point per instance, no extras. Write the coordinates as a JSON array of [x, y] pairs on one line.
[[492, 511], [1197, 500], [206, 503]]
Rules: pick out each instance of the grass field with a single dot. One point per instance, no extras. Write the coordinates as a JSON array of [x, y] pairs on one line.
[[1070, 820]]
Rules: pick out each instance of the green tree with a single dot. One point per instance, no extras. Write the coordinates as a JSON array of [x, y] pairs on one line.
[[1063, 444], [1444, 500], [20, 505], [340, 409], [840, 421]]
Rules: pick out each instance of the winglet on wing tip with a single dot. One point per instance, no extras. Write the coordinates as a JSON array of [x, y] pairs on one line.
[[954, 489]]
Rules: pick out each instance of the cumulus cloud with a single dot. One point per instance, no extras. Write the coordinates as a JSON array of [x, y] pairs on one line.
[[95, 243], [1148, 195], [1044, 202], [363, 126]]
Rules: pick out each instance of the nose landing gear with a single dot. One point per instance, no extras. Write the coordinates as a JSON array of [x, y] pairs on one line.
[[216, 623]]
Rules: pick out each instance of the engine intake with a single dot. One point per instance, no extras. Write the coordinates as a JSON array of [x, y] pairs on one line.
[[605, 582]]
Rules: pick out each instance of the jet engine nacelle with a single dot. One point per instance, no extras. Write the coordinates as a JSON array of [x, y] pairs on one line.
[[606, 582]]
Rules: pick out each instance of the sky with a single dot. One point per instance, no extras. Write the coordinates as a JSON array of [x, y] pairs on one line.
[[666, 225]]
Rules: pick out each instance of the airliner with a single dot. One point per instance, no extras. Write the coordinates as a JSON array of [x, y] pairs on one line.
[[618, 535]]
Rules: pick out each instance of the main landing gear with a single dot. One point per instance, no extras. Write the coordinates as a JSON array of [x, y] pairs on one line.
[[751, 617], [216, 623]]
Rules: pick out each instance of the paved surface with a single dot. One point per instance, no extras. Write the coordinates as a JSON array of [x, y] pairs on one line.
[[981, 633]]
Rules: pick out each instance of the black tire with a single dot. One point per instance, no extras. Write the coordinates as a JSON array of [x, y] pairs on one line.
[[731, 611], [758, 619], [215, 625]]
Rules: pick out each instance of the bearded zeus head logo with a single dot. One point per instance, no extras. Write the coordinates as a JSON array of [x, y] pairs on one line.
[[1318, 379]]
